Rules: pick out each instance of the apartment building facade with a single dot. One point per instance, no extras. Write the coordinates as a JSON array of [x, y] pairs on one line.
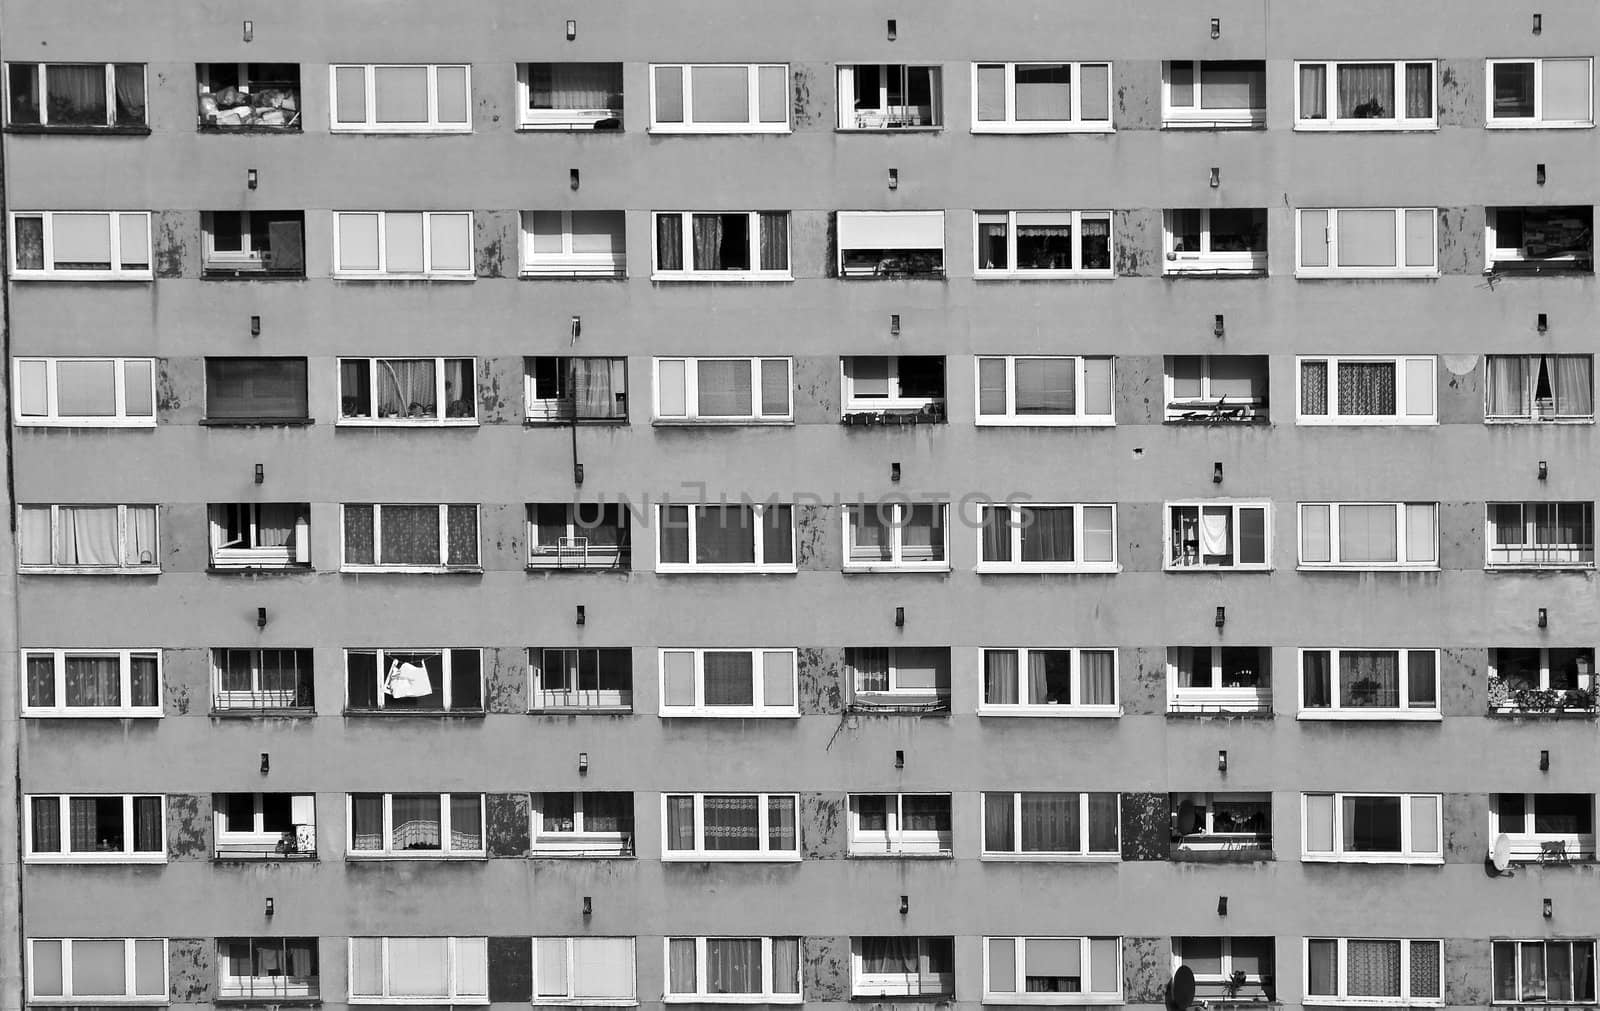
[[839, 503]]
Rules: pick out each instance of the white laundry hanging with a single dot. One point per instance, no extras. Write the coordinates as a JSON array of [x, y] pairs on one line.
[[1214, 532], [407, 681]]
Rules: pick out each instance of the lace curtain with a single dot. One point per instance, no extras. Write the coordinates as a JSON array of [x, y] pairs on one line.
[[1369, 679], [1366, 388], [94, 681], [406, 388], [732, 823], [416, 821], [1366, 91], [410, 535], [729, 679]]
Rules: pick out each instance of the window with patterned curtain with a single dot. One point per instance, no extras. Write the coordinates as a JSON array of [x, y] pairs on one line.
[[1366, 388]]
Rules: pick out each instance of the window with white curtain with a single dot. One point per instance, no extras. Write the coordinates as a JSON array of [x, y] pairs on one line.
[[1218, 535], [1239, 824], [1551, 971], [1219, 679], [564, 389], [430, 245], [419, 970], [574, 244], [895, 824], [88, 538], [73, 97], [1211, 388], [897, 966], [1043, 537], [729, 391], [1369, 535], [1538, 388], [1214, 94], [82, 970], [408, 391], [85, 392], [735, 683], [1043, 244], [1215, 240], [398, 681], [725, 538], [1547, 92], [1052, 970], [400, 98], [1365, 95], [1544, 827], [1056, 97], [1366, 684], [894, 676], [719, 98], [267, 968], [1365, 390], [1539, 239], [1025, 390], [893, 96], [415, 825], [1393, 828], [260, 535], [1217, 961], [896, 536], [570, 96], [732, 970], [583, 824], [1366, 242], [1036, 681], [1043, 826], [80, 246], [92, 682], [721, 246], [1357, 971], [591, 971], [409, 537], [739, 826], [262, 680], [84, 829], [1540, 535]]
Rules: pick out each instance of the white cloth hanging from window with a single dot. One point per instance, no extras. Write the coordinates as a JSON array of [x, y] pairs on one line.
[[1214, 532], [407, 681]]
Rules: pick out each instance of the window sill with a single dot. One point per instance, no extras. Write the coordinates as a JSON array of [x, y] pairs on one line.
[[1313, 567], [1527, 567], [572, 274], [1044, 421], [671, 569], [81, 570], [400, 129], [257, 422], [1503, 269], [251, 128], [91, 714], [1430, 859], [580, 1001], [217, 272], [456, 714], [386, 858], [1241, 854], [729, 857], [80, 131], [889, 705], [1044, 275], [1201, 272], [552, 565], [608, 124], [1042, 128], [1369, 716], [1528, 125], [722, 422], [256, 569], [1050, 858], [1047, 569], [1588, 420], [1200, 710], [721, 276], [945, 854], [725, 129], [732, 998], [1370, 274], [406, 423], [1054, 711], [597, 853], [1169, 567], [1549, 714], [582, 711], [269, 999], [98, 276], [1364, 126], [858, 568], [458, 277], [262, 712], [434, 570], [943, 997], [1257, 121], [893, 128], [95, 858], [86, 423], [1073, 999], [727, 714], [553, 422]]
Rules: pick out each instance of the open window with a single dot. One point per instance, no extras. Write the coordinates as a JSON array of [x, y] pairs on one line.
[[894, 96], [1225, 536], [890, 244], [1540, 535], [72, 97], [585, 824], [1216, 388], [1216, 241], [260, 535], [1540, 240], [579, 535], [900, 824], [1228, 970], [570, 96], [1220, 826], [563, 389], [1214, 94], [249, 96], [1542, 679], [254, 243], [886, 967], [267, 968], [893, 389], [1539, 388], [581, 679], [401, 681], [1219, 679], [265, 826], [262, 681], [898, 678], [1544, 827]]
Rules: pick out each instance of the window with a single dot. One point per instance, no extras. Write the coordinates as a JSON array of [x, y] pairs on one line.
[[1375, 95], [260, 535], [1050, 825], [583, 824], [735, 683], [582, 679], [89, 538], [86, 392], [1059, 682], [903, 967], [1540, 93], [118, 828], [894, 96], [583, 970], [579, 535], [76, 96], [744, 826], [895, 536], [81, 246], [419, 970], [399, 681], [419, 98], [432, 245], [1018, 390], [92, 682], [900, 824], [1540, 239], [1370, 684], [739, 391], [1541, 679], [898, 677], [1372, 828], [570, 96], [893, 389], [733, 970], [267, 968], [415, 825], [1215, 388], [1214, 94], [408, 391], [1541, 535], [1052, 970], [719, 98], [1216, 240], [410, 538], [1369, 535], [1350, 970], [725, 538], [1367, 242], [250, 680], [263, 826], [574, 244], [249, 391], [1048, 538], [1544, 972], [1539, 388], [1041, 97], [124, 970], [576, 389], [1368, 390], [1219, 679], [1228, 968], [249, 96], [1043, 244], [254, 243], [1544, 827], [1220, 826], [1218, 535], [722, 246], [890, 244]]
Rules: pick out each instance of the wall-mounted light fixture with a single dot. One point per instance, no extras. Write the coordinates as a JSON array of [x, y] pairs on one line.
[[1544, 469], [900, 759], [582, 617], [577, 473], [1216, 28], [1222, 761], [572, 178], [1538, 173], [1217, 328], [894, 179], [1222, 616], [1549, 909], [894, 324], [255, 326], [899, 617], [251, 178], [583, 763], [1544, 618], [894, 471], [572, 29], [577, 328], [261, 617], [905, 904], [1544, 761], [250, 30], [266, 763], [1543, 322], [893, 29], [1216, 472], [271, 908], [588, 906], [261, 473], [1216, 177], [1538, 24]]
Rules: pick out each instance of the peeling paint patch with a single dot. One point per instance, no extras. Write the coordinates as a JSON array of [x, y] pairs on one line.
[[1137, 234], [1467, 972], [821, 674], [811, 523], [822, 820], [170, 239], [167, 397], [1466, 835], [1146, 967], [177, 695], [804, 113], [510, 970], [1146, 694], [188, 827], [506, 686], [191, 966], [825, 968], [1146, 828], [509, 815]]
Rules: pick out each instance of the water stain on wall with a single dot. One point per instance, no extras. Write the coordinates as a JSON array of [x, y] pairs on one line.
[[822, 820], [1137, 236], [509, 815], [510, 970], [173, 233], [821, 675], [191, 966], [825, 968], [1146, 827], [188, 827], [506, 683], [811, 534], [1467, 979], [804, 113], [1146, 968]]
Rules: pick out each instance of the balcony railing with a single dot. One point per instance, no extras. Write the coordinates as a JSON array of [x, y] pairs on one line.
[[268, 988], [266, 700], [1552, 556], [599, 700], [582, 553], [583, 844], [300, 843]]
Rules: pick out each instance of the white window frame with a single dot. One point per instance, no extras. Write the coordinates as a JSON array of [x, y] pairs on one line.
[[893, 118], [1204, 260], [257, 699], [118, 270], [529, 118], [428, 273], [580, 842], [1080, 418], [688, 272], [896, 693], [572, 999], [1534, 415], [246, 257], [440, 416], [895, 527], [1207, 405], [1019, 995], [1537, 847], [1536, 121], [1074, 124], [1404, 549], [1252, 981], [757, 534], [53, 418], [1197, 116], [691, 393], [1586, 679], [1399, 121], [127, 855], [1337, 709], [882, 985], [271, 986], [1235, 509], [1543, 942], [1076, 710], [1219, 698], [445, 851], [379, 565], [1514, 259], [701, 854], [223, 557], [1016, 564], [1530, 532], [1072, 219], [125, 566], [701, 995], [125, 664], [453, 959], [110, 66], [382, 659], [1331, 239], [753, 124], [564, 409], [568, 262], [258, 838], [539, 674], [130, 970], [896, 840], [1408, 853], [873, 405], [1081, 854], [1404, 415], [758, 707], [846, 222], [572, 539], [1345, 999], [369, 100]]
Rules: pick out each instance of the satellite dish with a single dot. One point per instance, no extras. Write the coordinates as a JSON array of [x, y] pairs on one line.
[[1500, 855], [1180, 992], [1187, 823]]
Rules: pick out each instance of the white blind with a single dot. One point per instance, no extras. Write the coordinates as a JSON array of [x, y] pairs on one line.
[[891, 230], [602, 967]]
